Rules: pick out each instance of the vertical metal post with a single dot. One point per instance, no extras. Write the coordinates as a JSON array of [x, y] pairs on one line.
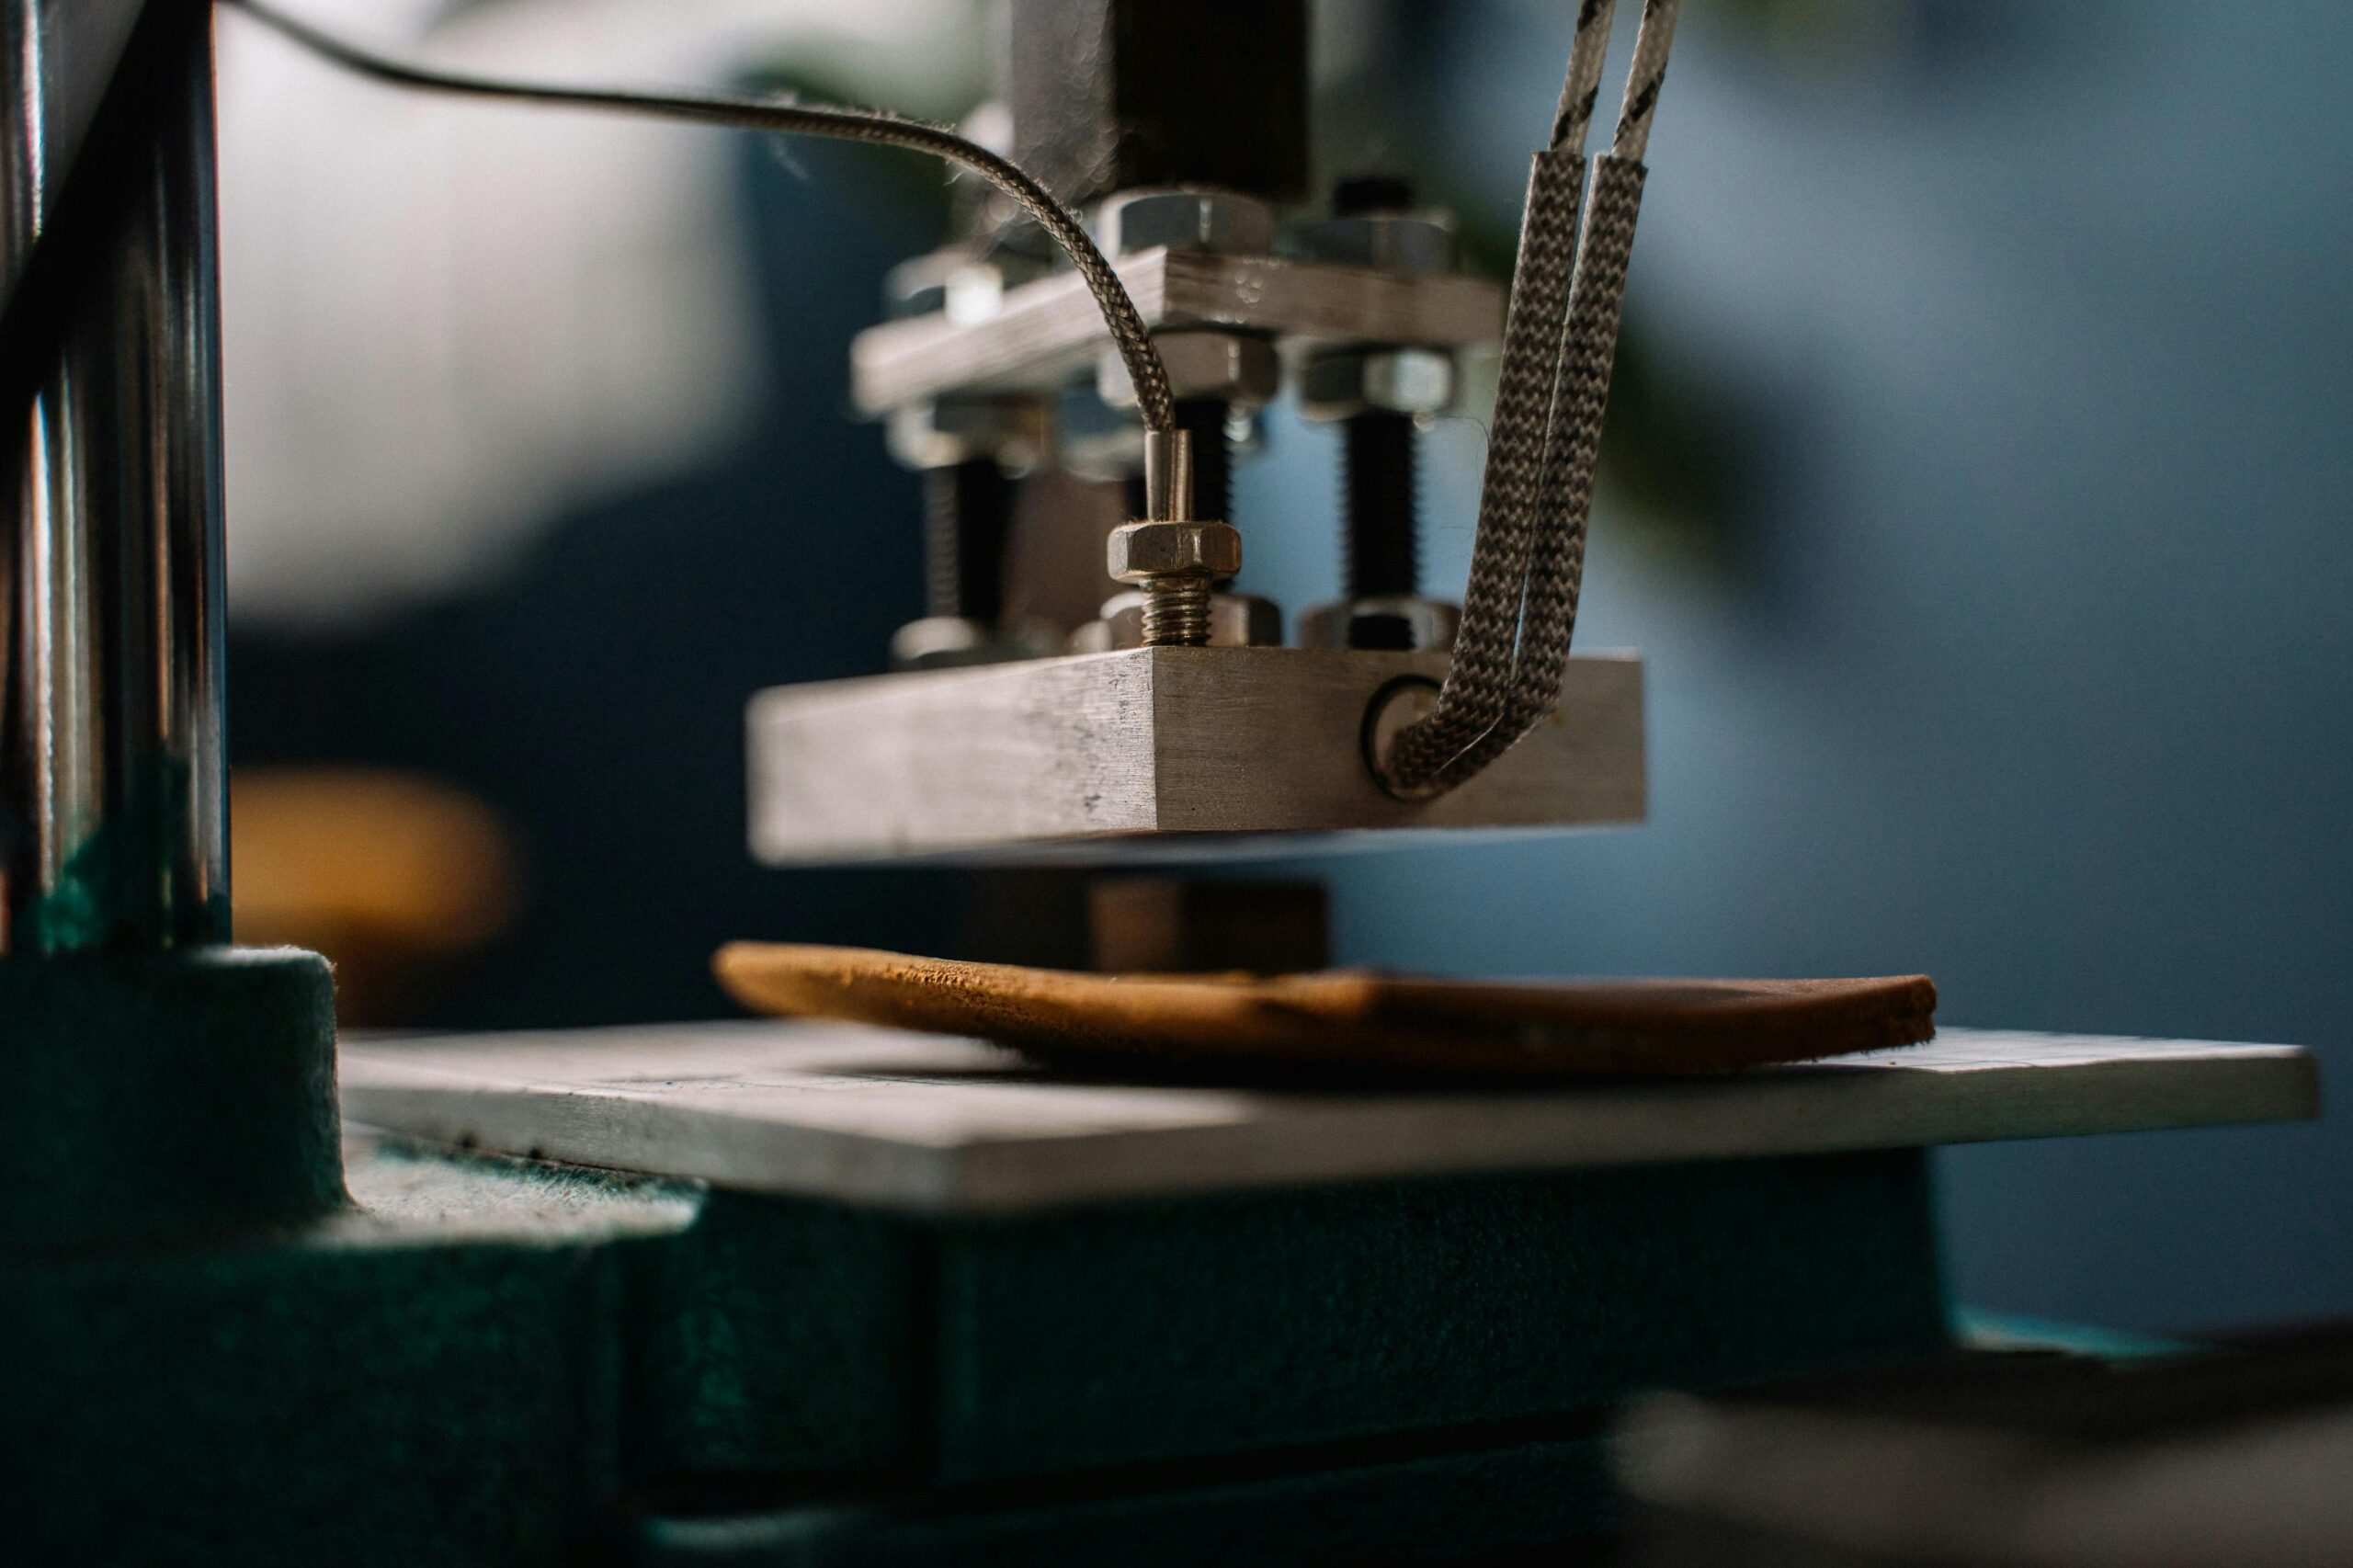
[[113, 783]]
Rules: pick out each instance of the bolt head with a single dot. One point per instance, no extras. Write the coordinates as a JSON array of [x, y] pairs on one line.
[[1138, 551], [1185, 220], [1385, 380], [1231, 366]]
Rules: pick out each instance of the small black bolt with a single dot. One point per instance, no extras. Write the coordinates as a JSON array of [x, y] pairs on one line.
[[967, 515], [1380, 554]]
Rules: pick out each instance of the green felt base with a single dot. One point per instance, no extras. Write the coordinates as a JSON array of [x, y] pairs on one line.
[[491, 1362], [156, 1095], [434, 1379], [788, 1337], [1535, 1500]]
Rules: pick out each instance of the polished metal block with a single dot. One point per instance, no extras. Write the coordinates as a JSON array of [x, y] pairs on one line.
[[1154, 752]]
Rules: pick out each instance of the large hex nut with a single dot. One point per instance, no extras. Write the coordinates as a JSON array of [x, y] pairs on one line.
[[1416, 244], [1376, 380], [1139, 551], [1230, 367], [1185, 220]]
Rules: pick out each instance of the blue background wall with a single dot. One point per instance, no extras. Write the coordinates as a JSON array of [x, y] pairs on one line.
[[1982, 513], [2014, 647]]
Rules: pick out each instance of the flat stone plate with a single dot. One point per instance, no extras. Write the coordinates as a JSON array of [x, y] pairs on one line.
[[877, 1116]]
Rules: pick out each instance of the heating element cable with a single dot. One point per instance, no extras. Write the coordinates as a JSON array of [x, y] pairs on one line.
[[1560, 338]]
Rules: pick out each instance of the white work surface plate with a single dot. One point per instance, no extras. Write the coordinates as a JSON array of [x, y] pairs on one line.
[[879, 1117]]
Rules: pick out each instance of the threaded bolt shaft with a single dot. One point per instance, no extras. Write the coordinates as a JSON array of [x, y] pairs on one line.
[[968, 513], [1380, 554], [1176, 612]]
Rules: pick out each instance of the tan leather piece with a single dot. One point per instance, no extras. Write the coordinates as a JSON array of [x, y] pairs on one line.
[[1345, 1018]]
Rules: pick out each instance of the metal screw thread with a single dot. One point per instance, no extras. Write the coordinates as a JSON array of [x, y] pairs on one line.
[[1380, 554], [1175, 611]]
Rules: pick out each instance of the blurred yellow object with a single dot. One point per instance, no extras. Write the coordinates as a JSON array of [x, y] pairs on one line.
[[388, 874]]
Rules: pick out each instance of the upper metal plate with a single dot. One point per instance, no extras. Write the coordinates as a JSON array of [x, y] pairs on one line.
[[1044, 333]]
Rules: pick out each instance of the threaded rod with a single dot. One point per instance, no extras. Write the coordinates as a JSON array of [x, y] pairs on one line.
[[968, 513], [1176, 612], [1380, 554]]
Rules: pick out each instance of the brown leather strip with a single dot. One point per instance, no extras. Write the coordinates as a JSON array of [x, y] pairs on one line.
[[1346, 1019]]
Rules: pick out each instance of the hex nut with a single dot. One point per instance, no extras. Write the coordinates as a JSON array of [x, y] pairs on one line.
[[1418, 245], [1230, 367], [917, 287], [943, 432], [954, 642], [1387, 380], [1407, 623], [957, 281], [1185, 220], [1138, 551]]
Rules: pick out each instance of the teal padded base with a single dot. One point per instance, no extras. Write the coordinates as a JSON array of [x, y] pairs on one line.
[[787, 1337], [430, 1378], [494, 1362], [1535, 1500], [152, 1096]]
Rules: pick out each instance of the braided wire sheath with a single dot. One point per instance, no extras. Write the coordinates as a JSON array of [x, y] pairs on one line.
[[1643, 78], [1582, 86], [1510, 682], [1154, 402], [1580, 399], [1478, 685]]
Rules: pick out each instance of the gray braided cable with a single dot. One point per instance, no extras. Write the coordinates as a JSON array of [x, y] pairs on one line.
[[1582, 86], [1653, 38], [1511, 678], [1156, 405], [1580, 399], [1478, 685]]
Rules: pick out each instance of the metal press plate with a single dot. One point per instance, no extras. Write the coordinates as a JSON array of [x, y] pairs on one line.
[[1155, 753], [929, 1123]]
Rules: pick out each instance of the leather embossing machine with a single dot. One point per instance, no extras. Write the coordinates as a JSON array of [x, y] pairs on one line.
[[820, 1292]]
